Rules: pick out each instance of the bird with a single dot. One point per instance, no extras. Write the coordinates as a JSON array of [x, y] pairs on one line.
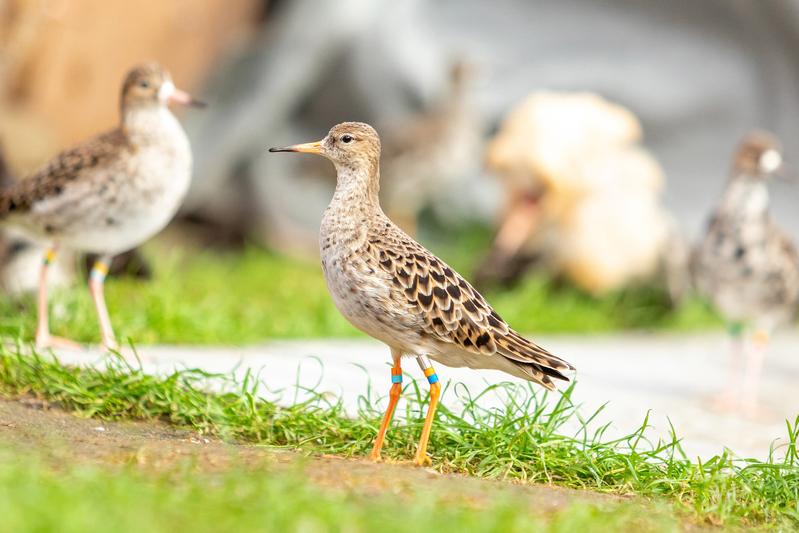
[[392, 288], [108, 194], [747, 267], [430, 151]]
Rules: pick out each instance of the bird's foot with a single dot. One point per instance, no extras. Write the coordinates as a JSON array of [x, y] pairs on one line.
[[111, 345], [375, 457], [46, 341], [755, 412], [726, 402], [422, 460]]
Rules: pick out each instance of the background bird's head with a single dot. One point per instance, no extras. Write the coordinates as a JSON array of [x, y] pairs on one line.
[[759, 155], [150, 85]]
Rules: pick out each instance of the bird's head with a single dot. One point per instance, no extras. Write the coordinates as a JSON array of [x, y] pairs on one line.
[[353, 146], [759, 156], [150, 85]]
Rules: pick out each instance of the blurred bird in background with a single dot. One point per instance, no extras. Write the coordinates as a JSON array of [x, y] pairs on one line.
[[426, 154], [748, 267], [583, 198], [109, 194], [20, 256]]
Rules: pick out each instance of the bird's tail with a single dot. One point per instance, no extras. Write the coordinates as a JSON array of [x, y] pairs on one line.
[[535, 363]]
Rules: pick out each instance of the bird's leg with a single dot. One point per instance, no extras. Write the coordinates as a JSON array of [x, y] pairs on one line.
[[728, 399], [752, 371], [393, 398], [96, 285], [43, 337], [421, 457]]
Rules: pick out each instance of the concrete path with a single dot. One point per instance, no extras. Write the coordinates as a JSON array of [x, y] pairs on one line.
[[673, 376]]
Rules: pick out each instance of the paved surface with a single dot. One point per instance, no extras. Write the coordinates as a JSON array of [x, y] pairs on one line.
[[673, 376]]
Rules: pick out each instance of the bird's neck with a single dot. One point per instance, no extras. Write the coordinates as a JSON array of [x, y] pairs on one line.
[[358, 188], [746, 198], [148, 124], [354, 208]]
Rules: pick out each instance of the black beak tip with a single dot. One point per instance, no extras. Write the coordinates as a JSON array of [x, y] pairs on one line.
[[275, 150], [199, 104]]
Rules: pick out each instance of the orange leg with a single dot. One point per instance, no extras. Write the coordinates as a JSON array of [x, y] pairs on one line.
[[393, 398], [43, 337], [421, 457], [96, 288]]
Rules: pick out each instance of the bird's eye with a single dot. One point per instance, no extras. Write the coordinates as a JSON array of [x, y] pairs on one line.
[[144, 84], [346, 138]]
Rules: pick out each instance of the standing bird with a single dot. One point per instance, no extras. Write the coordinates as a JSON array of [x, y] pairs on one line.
[[426, 155], [393, 289], [110, 193], [747, 267]]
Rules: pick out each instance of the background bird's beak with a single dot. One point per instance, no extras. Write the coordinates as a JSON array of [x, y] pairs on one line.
[[306, 148], [181, 97], [786, 173]]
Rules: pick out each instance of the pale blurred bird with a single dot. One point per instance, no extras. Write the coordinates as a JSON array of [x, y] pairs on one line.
[[110, 193], [582, 196], [20, 256], [747, 266], [431, 151], [395, 290]]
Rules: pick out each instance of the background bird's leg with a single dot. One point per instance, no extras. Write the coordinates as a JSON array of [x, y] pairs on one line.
[[435, 391], [96, 288], [752, 370], [393, 398], [43, 337], [728, 399]]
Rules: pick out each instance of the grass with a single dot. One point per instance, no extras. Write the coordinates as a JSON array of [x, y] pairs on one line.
[[212, 298], [525, 440], [88, 498]]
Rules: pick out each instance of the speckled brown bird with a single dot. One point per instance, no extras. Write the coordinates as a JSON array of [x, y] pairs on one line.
[[395, 290], [110, 193], [747, 266]]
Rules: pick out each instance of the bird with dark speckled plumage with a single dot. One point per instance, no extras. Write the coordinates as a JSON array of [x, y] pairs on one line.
[[747, 266], [110, 193], [392, 288]]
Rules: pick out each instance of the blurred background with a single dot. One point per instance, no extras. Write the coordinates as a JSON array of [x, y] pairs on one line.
[[578, 143]]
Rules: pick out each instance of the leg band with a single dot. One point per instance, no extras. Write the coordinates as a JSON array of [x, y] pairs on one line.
[[431, 375], [396, 378], [761, 337], [49, 257], [736, 329], [427, 368], [99, 271]]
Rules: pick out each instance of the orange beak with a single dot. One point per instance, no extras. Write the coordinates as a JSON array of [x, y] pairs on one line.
[[306, 148]]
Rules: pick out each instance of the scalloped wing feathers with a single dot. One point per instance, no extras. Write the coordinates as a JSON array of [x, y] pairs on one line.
[[453, 311]]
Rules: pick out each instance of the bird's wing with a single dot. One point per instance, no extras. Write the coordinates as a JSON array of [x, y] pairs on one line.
[[452, 311], [63, 172]]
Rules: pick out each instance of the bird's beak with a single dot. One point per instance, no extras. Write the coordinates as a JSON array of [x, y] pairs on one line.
[[786, 173], [306, 148], [184, 98], [172, 95]]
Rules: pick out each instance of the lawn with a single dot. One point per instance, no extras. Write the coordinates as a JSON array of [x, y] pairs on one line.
[[258, 498], [200, 297], [525, 441]]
